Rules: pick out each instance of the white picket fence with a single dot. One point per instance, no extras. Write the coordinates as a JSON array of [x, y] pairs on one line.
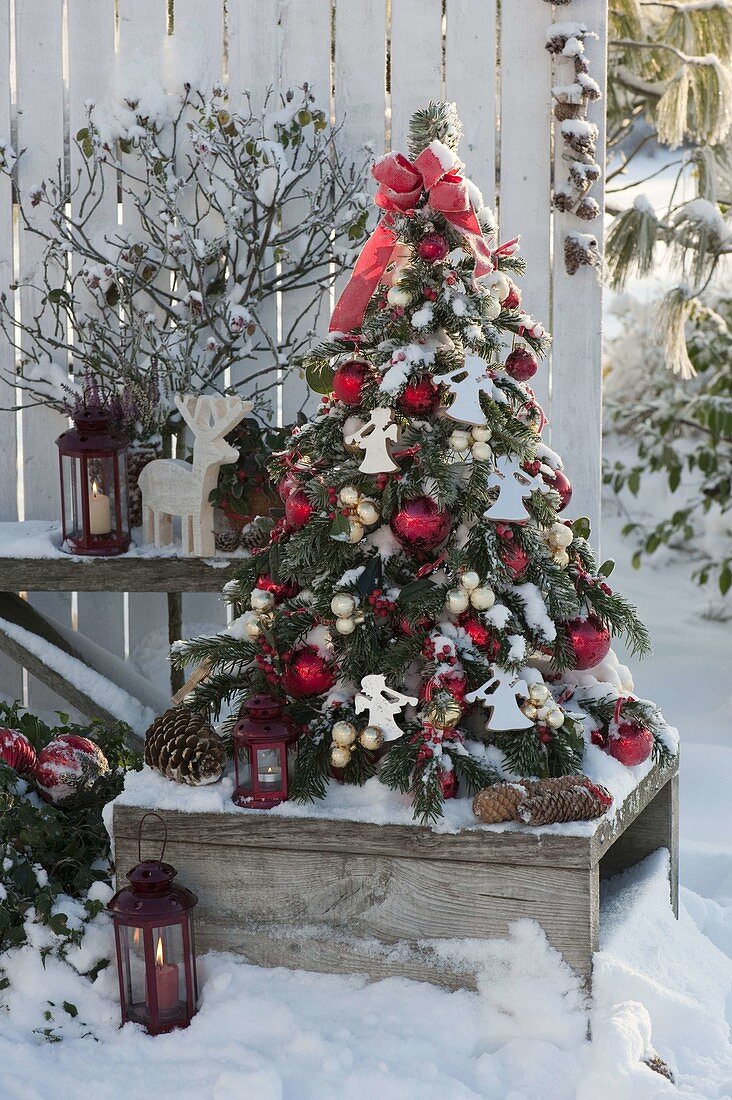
[[374, 61]]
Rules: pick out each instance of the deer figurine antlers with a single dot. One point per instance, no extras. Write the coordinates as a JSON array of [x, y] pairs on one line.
[[171, 487]]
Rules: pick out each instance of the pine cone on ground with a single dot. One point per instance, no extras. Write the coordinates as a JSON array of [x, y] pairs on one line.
[[183, 747], [542, 801]]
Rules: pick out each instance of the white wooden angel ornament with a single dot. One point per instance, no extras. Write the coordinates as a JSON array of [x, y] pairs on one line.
[[514, 485], [383, 704], [506, 713], [465, 386], [373, 438], [171, 487]]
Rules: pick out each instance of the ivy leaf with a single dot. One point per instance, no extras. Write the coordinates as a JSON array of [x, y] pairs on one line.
[[725, 579], [581, 527], [340, 527], [71, 1009], [371, 576], [415, 590], [319, 375], [606, 568]]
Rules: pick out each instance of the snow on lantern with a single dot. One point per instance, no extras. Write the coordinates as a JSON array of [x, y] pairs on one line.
[[262, 743], [94, 491], [153, 931]]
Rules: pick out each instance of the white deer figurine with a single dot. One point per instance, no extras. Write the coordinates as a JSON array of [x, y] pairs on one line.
[[171, 487]]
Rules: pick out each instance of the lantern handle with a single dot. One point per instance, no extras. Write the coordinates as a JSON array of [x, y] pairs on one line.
[[139, 835]]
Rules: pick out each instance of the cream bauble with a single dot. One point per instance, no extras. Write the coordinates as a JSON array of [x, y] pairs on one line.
[[261, 600], [481, 435], [490, 307], [538, 693], [529, 710], [252, 627], [352, 425], [349, 495], [355, 530], [561, 536], [343, 733], [340, 756], [482, 598], [444, 715], [342, 605], [345, 626], [498, 284], [372, 738], [459, 441], [398, 296], [481, 452], [561, 558], [470, 580], [367, 512], [457, 600], [555, 718]]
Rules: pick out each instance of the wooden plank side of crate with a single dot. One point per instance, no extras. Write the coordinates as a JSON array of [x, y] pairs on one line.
[[387, 898], [120, 574]]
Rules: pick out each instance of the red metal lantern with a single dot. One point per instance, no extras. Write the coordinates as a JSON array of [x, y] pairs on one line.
[[94, 490], [262, 743], [156, 958]]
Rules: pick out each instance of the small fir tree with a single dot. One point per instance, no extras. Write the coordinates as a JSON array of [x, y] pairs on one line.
[[422, 606]]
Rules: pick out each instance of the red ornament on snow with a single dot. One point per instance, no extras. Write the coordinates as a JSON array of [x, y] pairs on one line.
[[68, 767], [590, 641], [16, 751], [513, 298], [521, 365], [348, 381], [480, 635], [287, 486], [420, 524], [419, 398], [307, 674], [448, 784], [629, 743], [560, 483], [515, 558], [281, 590], [433, 248], [298, 509]]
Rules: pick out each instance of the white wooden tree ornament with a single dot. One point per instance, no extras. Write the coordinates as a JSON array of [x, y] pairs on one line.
[[383, 704], [514, 484], [372, 440], [466, 385], [171, 487], [506, 713]]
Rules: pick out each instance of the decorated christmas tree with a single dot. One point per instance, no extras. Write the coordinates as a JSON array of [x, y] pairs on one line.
[[422, 608]]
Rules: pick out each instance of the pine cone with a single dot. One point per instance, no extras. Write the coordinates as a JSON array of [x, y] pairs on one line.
[[183, 747], [255, 534], [567, 110], [498, 802], [588, 209], [227, 541], [581, 802], [657, 1064]]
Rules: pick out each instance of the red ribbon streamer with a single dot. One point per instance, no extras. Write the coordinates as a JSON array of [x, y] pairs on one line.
[[401, 183]]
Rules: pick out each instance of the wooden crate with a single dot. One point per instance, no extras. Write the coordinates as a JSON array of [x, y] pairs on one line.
[[341, 896]]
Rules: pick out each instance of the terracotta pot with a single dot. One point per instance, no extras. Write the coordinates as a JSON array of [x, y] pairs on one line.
[[261, 503]]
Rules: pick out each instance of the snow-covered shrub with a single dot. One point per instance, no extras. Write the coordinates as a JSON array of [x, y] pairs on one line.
[[54, 862], [225, 214], [681, 429]]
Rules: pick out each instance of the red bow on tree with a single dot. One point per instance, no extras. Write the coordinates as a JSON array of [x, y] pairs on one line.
[[401, 183]]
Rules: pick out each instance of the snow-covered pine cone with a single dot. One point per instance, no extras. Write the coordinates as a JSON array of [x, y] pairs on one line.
[[182, 746]]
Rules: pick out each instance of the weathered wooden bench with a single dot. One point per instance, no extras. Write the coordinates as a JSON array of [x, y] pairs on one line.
[[341, 896]]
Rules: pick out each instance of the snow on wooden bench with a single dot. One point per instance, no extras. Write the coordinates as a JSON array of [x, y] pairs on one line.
[[329, 889]]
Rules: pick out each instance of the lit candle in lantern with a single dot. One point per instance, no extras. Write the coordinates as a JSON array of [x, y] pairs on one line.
[[271, 777], [166, 980], [99, 515]]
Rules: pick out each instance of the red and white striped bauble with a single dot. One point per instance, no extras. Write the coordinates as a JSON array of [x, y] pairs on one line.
[[16, 751], [68, 767]]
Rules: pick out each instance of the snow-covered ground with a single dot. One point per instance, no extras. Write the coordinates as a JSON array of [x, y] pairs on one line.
[[281, 1035]]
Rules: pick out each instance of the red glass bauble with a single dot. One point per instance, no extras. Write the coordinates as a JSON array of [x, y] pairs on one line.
[[281, 590], [307, 674], [480, 635], [521, 365], [515, 558], [405, 629], [16, 751], [631, 744], [561, 484], [454, 683], [287, 486], [348, 381], [448, 783], [513, 298], [298, 509], [590, 641], [420, 524], [420, 397], [433, 248], [68, 767]]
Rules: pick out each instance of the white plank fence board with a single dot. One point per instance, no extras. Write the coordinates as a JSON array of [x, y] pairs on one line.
[[577, 317], [525, 166], [416, 62], [471, 81]]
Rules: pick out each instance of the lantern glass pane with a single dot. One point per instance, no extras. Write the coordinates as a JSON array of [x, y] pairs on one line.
[[133, 968], [170, 975], [269, 768], [243, 768], [124, 506], [70, 469]]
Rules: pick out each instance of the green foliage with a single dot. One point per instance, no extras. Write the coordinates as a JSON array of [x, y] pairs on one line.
[[47, 853], [684, 434], [243, 487]]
